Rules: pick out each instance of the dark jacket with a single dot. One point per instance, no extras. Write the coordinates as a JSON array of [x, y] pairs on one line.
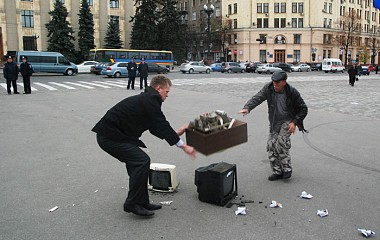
[[10, 71], [127, 120], [143, 69], [352, 72], [132, 68], [26, 69], [294, 102]]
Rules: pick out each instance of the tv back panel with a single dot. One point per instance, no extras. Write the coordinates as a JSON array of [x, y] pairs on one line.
[[162, 177]]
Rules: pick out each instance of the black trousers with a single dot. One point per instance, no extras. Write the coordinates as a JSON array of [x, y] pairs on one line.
[[14, 84], [145, 79], [137, 163], [352, 80], [131, 82], [26, 80]]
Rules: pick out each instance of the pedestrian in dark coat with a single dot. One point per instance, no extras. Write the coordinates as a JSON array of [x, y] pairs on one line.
[[10, 72], [352, 73], [118, 134], [132, 69], [143, 71], [26, 71], [377, 68]]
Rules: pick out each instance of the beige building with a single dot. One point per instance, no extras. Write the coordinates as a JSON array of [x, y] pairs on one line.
[[22, 22], [295, 30]]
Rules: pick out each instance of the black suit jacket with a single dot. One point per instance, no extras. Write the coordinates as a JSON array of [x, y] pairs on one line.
[[127, 120]]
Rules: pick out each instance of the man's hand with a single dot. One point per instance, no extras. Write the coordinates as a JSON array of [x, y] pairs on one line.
[[189, 150], [182, 129], [291, 127], [243, 111]]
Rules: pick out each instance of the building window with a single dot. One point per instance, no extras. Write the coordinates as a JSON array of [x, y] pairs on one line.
[[259, 8], [294, 22], [29, 43], [266, 23], [194, 16], [276, 7], [259, 23], [283, 22], [266, 7], [300, 7], [26, 1], [90, 2], [325, 7], [27, 18], [276, 23], [283, 7], [235, 8], [330, 7], [229, 9], [263, 38], [328, 53], [294, 7], [235, 23], [325, 22], [297, 56], [263, 54], [235, 39], [114, 19], [300, 22], [217, 12], [330, 23], [297, 38], [327, 38], [114, 3]]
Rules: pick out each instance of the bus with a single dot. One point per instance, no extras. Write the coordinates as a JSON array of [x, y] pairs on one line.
[[160, 57]]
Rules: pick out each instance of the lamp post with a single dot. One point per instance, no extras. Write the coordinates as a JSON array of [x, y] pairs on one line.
[[208, 11], [35, 37]]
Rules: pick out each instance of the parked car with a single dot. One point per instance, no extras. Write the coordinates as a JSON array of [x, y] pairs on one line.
[[97, 69], [253, 66], [316, 66], [301, 68], [155, 68], [267, 68], [371, 68], [215, 67], [332, 65], [85, 67], [117, 69], [365, 71], [243, 65], [231, 67], [284, 66], [192, 67]]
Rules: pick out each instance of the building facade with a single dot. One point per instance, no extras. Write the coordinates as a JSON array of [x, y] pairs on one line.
[[22, 22], [297, 30]]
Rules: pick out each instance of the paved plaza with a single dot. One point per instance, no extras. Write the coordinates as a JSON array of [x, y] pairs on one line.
[[49, 157]]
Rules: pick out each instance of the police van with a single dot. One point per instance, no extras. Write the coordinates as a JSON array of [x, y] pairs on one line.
[[49, 62], [332, 65]]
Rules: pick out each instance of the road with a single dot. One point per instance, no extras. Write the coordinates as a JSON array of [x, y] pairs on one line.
[[49, 157]]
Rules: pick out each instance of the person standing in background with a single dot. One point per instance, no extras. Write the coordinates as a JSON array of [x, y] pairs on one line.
[[143, 70], [10, 72], [26, 71], [132, 69]]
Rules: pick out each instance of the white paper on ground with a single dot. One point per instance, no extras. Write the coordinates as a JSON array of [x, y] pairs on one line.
[[306, 195], [241, 211], [322, 213], [365, 232], [275, 204]]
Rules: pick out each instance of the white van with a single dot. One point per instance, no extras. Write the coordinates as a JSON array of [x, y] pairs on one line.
[[50, 62], [332, 65]]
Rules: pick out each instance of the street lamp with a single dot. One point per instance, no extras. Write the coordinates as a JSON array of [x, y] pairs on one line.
[[208, 11]]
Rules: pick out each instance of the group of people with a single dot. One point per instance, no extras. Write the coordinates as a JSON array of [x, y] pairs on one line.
[[11, 71], [118, 132], [132, 72]]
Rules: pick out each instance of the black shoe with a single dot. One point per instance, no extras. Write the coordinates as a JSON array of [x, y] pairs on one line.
[[127, 88], [286, 175], [151, 206], [275, 177], [138, 210], [16, 93], [9, 93], [141, 88]]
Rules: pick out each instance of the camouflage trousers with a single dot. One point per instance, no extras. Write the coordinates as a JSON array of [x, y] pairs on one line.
[[278, 148]]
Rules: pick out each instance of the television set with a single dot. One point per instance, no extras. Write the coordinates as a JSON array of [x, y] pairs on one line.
[[216, 183], [162, 177]]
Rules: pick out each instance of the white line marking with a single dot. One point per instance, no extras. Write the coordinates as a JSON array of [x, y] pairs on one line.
[[80, 85], [94, 84], [45, 86], [62, 85]]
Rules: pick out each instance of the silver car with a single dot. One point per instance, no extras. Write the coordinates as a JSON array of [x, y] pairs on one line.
[[192, 67], [267, 68], [117, 69], [301, 68]]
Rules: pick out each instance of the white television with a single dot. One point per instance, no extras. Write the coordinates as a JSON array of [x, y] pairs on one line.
[[162, 177]]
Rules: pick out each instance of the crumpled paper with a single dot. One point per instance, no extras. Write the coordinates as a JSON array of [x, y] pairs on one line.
[[365, 232], [275, 204], [241, 211], [322, 213], [306, 195], [166, 202]]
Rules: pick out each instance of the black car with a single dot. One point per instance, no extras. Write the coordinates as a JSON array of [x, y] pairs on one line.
[[316, 66], [155, 68], [253, 66], [284, 66], [97, 69]]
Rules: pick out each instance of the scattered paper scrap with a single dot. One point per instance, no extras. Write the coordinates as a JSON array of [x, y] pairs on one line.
[[275, 204], [166, 202], [365, 232], [53, 209], [241, 211], [322, 213], [96, 190], [306, 195]]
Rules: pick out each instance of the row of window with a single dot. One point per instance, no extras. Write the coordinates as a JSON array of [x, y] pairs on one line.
[[113, 3], [278, 7], [280, 22], [296, 55]]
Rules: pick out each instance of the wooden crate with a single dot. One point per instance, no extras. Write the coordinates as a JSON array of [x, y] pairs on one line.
[[218, 140]]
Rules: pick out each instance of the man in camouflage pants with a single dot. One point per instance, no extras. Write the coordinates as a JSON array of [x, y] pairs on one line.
[[286, 110]]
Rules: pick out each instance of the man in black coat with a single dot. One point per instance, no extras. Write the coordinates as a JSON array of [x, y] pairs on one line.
[[143, 70], [10, 72], [118, 134], [132, 68], [352, 73], [26, 71]]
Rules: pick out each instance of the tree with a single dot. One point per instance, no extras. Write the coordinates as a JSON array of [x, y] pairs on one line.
[[113, 39], [60, 33], [145, 30], [86, 31], [349, 25]]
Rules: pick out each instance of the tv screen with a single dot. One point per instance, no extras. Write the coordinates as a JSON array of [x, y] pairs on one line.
[[160, 180], [228, 182]]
